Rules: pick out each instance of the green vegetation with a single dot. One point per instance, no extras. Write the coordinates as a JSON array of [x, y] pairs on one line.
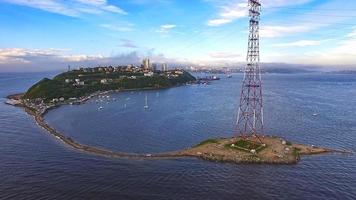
[[246, 145], [65, 84], [296, 151], [208, 141]]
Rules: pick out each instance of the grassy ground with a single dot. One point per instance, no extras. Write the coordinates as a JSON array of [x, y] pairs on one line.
[[246, 145], [209, 141]]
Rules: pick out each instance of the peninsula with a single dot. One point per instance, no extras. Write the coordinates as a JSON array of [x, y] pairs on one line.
[[274, 150], [76, 84]]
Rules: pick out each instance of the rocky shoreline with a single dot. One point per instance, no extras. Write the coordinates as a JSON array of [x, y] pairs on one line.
[[277, 151]]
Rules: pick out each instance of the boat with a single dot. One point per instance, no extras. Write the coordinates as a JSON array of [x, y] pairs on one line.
[[146, 104], [215, 78], [315, 114], [100, 108], [229, 76]]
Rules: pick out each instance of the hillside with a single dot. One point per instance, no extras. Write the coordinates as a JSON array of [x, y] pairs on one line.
[[79, 83]]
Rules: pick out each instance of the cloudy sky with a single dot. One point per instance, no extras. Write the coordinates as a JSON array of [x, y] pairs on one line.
[[50, 34]]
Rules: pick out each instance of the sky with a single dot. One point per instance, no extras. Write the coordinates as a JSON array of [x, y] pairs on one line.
[[40, 35]]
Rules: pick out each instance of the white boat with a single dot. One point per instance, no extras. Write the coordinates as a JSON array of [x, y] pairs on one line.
[[100, 108], [146, 104], [315, 114]]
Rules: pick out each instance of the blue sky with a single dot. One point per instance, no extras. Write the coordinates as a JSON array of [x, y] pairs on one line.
[[46, 34]]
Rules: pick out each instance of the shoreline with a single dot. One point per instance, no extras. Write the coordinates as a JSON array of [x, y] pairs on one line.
[[211, 151]]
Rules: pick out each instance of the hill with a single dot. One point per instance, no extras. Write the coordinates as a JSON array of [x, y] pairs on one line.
[[78, 83]]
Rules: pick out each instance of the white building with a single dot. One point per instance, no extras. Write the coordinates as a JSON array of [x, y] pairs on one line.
[[178, 72], [164, 67], [106, 81], [78, 82], [148, 74], [146, 63]]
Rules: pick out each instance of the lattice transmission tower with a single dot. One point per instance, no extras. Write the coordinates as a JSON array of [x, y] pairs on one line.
[[250, 112]]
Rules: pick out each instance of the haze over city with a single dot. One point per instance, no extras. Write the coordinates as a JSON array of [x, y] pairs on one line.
[[48, 35]]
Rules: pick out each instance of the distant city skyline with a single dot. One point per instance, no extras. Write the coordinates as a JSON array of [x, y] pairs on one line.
[[52, 34]]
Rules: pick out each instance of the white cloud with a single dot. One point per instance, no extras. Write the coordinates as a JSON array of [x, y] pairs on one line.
[[168, 26], [218, 22], [283, 3], [165, 28], [340, 54], [21, 56], [150, 2], [352, 34], [128, 44], [277, 31], [124, 27], [300, 43], [224, 55], [93, 2], [114, 9], [73, 8], [21, 59], [230, 11]]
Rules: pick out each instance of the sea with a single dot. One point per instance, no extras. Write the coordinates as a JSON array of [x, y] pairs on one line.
[[313, 108]]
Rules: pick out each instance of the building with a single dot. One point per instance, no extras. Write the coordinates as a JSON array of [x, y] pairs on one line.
[[148, 74], [154, 67], [78, 82], [178, 72], [106, 81], [164, 67], [146, 64], [103, 81], [68, 80]]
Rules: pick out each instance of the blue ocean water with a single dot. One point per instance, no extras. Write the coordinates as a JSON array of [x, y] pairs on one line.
[[34, 165]]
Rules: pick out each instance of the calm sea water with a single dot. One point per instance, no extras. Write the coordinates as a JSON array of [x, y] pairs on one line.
[[34, 165]]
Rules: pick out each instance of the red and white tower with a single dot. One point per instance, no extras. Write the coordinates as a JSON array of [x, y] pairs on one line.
[[250, 112]]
